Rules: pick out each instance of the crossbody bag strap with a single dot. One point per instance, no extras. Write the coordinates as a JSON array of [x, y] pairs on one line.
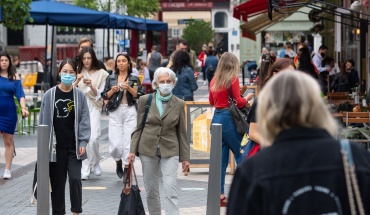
[[231, 97], [147, 107], [351, 179]]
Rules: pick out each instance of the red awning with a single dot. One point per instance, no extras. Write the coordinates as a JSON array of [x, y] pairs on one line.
[[249, 9]]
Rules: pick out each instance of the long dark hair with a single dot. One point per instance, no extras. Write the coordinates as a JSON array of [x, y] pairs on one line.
[[277, 66], [343, 74], [129, 70], [11, 69], [181, 59], [67, 61], [305, 64], [94, 61]]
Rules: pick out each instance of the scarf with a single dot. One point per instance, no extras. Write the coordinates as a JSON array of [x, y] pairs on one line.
[[158, 101]]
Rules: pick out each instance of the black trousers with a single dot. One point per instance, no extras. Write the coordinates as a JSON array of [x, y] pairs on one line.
[[151, 75], [66, 163], [204, 73]]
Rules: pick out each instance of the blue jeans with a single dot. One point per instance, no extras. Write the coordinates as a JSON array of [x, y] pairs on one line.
[[231, 139]]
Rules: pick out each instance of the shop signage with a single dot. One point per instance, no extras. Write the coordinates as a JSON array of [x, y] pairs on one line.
[[170, 6], [186, 21]]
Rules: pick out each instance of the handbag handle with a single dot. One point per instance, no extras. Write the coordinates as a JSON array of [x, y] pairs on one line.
[[351, 179], [127, 189]]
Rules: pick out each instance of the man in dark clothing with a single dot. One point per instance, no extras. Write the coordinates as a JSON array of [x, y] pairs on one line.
[[86, 42], [352, 73]]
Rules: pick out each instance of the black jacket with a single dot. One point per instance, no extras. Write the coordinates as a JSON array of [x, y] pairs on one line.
[[301, 173], [112, 81]]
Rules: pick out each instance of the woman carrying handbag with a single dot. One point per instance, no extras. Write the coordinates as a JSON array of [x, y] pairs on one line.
[[224, 83]]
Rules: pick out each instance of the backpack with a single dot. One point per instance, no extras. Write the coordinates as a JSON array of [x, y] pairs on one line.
[[210, 70], [345, 106]]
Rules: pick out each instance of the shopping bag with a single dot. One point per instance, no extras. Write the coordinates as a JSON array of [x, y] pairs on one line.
[[131, 203]]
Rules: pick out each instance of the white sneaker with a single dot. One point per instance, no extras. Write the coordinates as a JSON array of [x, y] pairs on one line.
[[205, 83], [7, 174], [97, 170], [84, 177]]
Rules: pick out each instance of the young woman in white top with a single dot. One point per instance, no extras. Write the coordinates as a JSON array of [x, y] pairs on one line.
[[91, 80]]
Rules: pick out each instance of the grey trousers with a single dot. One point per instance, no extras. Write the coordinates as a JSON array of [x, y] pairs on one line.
[[152, 169]]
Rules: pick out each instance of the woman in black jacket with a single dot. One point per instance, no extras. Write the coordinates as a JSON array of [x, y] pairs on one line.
[[342, 81], [300, 170], [122, 88]]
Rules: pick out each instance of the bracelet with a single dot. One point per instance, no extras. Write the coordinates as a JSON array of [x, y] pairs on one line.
[[24, 108]]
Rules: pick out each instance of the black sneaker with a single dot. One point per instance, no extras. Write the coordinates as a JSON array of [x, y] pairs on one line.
[[119, 169]]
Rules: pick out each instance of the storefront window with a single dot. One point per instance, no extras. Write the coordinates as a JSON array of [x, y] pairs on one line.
[[350, 43], [220, 20]]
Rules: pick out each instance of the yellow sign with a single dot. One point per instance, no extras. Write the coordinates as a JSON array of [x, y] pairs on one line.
[[201, 132]]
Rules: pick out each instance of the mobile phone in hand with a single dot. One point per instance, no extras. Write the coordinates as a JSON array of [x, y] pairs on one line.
[[247, 92]]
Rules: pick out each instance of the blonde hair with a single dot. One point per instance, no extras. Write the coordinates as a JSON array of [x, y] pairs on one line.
[[110, 64], [227, 70], [292, 99]]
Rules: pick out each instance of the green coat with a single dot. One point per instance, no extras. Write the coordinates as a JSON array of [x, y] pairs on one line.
[[168, 133]]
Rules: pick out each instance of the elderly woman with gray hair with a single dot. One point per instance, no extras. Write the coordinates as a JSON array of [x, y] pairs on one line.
[[161, 142], [300, 170]]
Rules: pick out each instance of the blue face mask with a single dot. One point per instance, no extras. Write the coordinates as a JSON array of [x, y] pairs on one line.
[[67, 79]]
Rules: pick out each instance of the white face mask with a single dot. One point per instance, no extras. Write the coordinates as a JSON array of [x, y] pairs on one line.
[[165, 88]]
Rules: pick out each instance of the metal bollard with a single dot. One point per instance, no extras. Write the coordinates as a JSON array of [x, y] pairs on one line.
[[214, 177], [43, 170]]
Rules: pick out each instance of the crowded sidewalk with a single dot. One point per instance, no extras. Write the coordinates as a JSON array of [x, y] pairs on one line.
[[101, 194]]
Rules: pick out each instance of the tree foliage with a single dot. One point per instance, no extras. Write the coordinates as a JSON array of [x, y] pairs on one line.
[[15, 13], [198, 33], [88, 4], [140, 8]]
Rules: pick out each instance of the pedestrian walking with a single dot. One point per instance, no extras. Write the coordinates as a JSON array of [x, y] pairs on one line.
[[306, 65], [211, 65], [123, 87], [202, 58], [154, 61], [186, 83], [300, 168], [181, 44], [65, 110], [91, 81], [318, 58], [254, 134], [10, 86], [86, 42], [225, 83], [160, 154]]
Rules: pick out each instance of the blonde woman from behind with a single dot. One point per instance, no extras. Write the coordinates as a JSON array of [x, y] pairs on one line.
[[300, 168]]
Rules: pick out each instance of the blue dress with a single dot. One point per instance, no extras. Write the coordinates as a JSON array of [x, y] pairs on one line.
[[8, 111]]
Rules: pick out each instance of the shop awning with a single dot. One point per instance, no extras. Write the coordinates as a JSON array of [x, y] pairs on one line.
[[259, 8], [249, 9], [262, 21]]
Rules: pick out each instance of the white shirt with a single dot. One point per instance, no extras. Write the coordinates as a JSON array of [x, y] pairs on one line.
[[317, 61]]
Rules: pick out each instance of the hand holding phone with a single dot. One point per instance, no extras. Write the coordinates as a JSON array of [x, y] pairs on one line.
[[248, 91]]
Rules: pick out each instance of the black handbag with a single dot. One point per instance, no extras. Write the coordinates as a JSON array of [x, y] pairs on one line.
[[114, 101], [131, 203], [239, 119]]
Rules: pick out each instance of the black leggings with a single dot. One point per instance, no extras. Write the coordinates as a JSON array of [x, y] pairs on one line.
[[66, 163]]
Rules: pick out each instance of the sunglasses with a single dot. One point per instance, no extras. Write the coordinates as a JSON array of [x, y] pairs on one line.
[[121, 53]]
